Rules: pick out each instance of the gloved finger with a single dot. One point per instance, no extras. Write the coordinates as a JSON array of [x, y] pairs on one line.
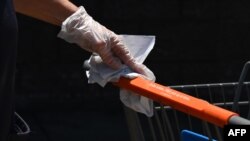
[[122, 52], [140, 68], [147, 73], [109, 59], [127, 59]]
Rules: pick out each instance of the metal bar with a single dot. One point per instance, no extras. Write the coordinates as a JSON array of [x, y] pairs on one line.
[[135, 130], [238, 121], [239, 88]]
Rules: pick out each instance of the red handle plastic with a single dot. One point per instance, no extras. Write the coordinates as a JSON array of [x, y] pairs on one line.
[[177, 100]]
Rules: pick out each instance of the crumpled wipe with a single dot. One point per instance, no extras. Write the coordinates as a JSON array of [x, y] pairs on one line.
[[139, 46]]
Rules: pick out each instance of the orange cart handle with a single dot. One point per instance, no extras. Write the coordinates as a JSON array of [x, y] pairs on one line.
[[180, 101]]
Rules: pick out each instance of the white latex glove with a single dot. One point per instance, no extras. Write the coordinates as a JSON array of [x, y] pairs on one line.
[[82, 29]]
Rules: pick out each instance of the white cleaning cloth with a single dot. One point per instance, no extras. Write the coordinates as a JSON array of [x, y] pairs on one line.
[[139, 46]]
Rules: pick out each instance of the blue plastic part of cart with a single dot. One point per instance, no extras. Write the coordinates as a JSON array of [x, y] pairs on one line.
[[187, 135]]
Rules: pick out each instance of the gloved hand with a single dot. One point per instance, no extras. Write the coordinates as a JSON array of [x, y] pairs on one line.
[[140, 47], [82, 29]]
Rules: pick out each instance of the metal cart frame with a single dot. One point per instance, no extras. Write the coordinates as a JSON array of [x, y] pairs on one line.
[[187, 107]]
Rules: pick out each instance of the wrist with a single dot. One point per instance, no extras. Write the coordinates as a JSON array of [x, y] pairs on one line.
[[72, 26]]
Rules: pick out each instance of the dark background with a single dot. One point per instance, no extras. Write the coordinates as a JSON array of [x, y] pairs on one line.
[[196, 42]]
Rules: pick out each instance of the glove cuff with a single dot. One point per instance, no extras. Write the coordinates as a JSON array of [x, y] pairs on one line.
[[74, 26]]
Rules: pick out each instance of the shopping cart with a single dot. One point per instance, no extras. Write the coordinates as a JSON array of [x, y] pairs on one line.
[[188, 111]]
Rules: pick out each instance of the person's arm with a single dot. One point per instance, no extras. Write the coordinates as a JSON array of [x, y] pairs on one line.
[[51, 11], [77, 26]]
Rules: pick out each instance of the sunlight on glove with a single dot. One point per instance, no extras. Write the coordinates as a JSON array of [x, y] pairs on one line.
[[83, 30]]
